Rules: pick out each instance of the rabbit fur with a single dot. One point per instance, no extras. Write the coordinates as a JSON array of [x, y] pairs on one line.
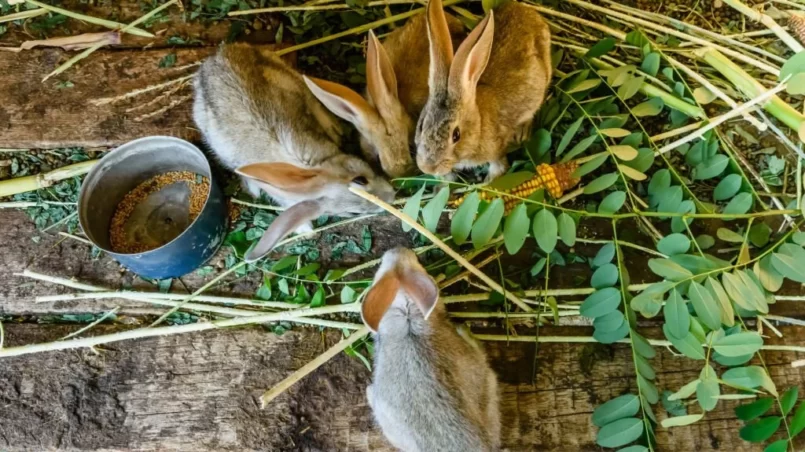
[[396, 92], [260, 120], [482, 98], [432, 389]]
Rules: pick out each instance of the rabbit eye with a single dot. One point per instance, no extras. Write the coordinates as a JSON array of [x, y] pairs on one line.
[[456, 135], [360, 180]]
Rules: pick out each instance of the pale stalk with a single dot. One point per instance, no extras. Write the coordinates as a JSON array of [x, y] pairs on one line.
[[676, 132], [799, 363], [23, 15], [93, 20], [766, 20], [305, 370], [443, 246], [28, 204], [141, 333], [24, 184], [715, 122], [536, 293], [282, 9]]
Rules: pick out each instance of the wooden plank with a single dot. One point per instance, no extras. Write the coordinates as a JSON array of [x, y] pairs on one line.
[[198, 392], [48, 115]]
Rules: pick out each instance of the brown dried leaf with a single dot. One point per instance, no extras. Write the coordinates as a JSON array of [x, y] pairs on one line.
[[78, 42]]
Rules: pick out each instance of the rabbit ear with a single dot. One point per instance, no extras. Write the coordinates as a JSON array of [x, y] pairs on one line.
[[342, 101], [285, 176], [441, 45], [284, 224], [378, 299], [472, 56], [421, 288], [380, 78]]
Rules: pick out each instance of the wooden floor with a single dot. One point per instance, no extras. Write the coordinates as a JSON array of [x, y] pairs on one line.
[[198, 392]]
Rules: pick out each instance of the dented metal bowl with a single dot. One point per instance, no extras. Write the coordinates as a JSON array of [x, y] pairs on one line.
[[162, 216]]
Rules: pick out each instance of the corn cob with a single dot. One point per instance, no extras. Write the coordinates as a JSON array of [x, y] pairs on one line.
[[555, 179], [796, 23]]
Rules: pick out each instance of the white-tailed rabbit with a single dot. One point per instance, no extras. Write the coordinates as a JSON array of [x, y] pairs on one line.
[[481, 99], [261, 121], [396, 92], [433, 389]]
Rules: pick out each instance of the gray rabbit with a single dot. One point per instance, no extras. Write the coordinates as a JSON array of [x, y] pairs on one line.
[[261, 121], [433, 389]]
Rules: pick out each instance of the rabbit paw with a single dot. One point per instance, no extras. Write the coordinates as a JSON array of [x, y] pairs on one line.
[[497, 169]]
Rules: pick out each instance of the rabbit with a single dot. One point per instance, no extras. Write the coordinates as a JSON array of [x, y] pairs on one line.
[[397, 89], [432, 388], [260, 120], [482, 98]]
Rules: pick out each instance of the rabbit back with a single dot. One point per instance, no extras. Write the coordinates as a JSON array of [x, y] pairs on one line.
[[433, 390], [252, 107]]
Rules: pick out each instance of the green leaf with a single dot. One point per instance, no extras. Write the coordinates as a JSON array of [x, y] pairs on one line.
[[508, 181], [685, 391], [433, 209], [759, 234], [348, 294], [669, 269], [788, 267], [610, 337], [609, 322], [585, 85], [789, 399], [644, 368], [568, 136], [793, 66], [798, 421], [748, 377], [681, 421], [674, 244], [538, 266], [614, 132], [487, 224], [739, 344], [605, 276], [648, 390], [754, 410], [670, 199], [705, 241], [600, 48], [630, 88], [676, 314], [768, 276], [777, 446], [705, 306], [515, 230], [580, 147], [711, 167], [651, 64], [624, 152], [757, 296], [612, 202], [461, 225], [545, 230], [642, 346], [688, 346], [604, 255], [620, 432], [703, 95], [539, 143], [651, 107], [590, 166], [729, 235], [412, 208], [618, 408], [601, 183], [284, 263], [567, 229], [727, 188], [601, 302], [707, 394], [635, 448], [761, 430], [739, 205], [738, 291]]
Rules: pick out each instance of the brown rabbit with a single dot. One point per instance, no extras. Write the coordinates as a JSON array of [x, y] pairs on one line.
[[432, 388], [482, 98], [396, 92]]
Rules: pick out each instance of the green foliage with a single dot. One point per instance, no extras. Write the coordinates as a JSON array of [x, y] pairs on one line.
[[618, 408], [433, 209], [487, 224], [412, 207], [546, 230], [515, 230], [461, 225]]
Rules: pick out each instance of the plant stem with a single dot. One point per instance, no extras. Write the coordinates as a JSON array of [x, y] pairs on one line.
[[93, 20], [140, 333], [766, 20], [29, 183], [92, 325], [282, 386], [28, 14], [306, 7], [443, 246]]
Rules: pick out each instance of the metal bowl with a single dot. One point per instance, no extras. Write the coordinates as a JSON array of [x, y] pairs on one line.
[[162, 216]]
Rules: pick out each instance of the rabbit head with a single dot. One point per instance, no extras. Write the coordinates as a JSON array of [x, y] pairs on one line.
[[313, 192], [383, 122], [450, 124], [403, 286]]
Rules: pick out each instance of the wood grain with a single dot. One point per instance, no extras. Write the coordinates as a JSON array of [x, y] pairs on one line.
[[199, 392]]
